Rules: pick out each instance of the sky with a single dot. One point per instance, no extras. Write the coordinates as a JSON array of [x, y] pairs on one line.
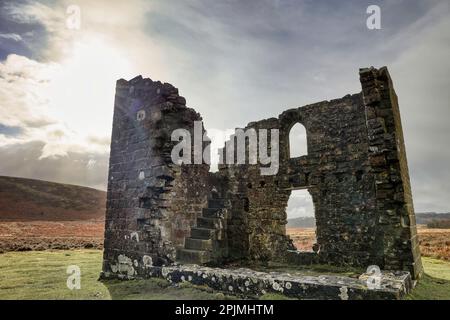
[[234, 61]]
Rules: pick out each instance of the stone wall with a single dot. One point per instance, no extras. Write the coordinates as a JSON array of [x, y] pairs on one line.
[[355, 170], [335, 172], [257, 223], [356, 173], [387, 154], [151, 202]]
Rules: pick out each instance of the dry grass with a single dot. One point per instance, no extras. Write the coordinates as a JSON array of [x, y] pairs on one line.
[[434, 243], [303, 238], [43, 235]]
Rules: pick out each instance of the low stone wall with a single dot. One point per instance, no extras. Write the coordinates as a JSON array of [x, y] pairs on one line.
[[248, 283]]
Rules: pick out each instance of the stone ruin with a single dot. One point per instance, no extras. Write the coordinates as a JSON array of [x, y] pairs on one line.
[[162, 216]]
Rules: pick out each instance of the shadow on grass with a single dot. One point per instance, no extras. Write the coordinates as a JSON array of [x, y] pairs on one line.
[[430, 287]]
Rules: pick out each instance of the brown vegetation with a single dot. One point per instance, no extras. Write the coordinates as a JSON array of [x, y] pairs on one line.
[[433, 242], [303, 238], [42, 235], [439, 224], [39, 215], [28, 200]]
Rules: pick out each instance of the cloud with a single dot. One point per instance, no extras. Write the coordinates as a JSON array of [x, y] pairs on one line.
[[32, 109], [52, 20], [30, 35], [257, 58], [300, 204], [11, 36], [79, 168], [22, 92], [421, 79]]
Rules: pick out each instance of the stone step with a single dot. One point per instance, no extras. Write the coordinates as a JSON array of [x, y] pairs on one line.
[[216, 203], [210, 223], [206, 233], [300, 285], [210, 212], [198, 244], [193, 256]]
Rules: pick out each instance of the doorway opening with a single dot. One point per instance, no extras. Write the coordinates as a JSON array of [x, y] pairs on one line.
[[301, 226]]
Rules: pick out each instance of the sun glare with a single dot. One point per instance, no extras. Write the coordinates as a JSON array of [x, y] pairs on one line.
[[81, 91]]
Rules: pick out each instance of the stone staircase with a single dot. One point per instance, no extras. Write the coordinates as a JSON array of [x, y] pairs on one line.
[[207, 240]]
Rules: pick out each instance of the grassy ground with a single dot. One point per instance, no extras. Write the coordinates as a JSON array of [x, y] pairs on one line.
[[42, 275], [435, 284]]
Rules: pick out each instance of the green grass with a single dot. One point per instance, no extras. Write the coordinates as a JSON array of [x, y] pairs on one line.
[[42, 275], [435, 283]]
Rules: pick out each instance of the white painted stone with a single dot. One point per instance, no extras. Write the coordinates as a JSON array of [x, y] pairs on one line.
[[147, 261], [134, 236], [344, 293]]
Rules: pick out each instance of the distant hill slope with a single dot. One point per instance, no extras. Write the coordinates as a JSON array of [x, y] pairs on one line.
[[427, 217], [421, 218], [30, 200], [302, 222]]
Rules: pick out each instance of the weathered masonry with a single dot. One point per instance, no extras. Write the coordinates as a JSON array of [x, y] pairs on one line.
[[356, 171]]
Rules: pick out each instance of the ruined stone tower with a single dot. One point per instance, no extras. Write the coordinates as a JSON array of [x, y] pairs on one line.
[[356, 171]]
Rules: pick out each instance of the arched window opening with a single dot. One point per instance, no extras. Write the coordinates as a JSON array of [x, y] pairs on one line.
[[297, 141], [301, 226]]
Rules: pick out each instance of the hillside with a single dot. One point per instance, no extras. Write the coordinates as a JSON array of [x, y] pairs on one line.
[[421, 218], [35, 200], [41, 215], [302, 222], [430, 217]]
